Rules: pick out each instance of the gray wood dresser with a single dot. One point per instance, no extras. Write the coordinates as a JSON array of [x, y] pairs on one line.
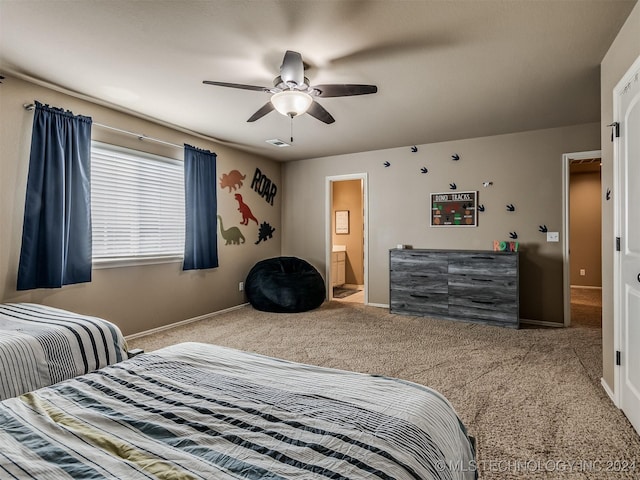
[[470, 285]]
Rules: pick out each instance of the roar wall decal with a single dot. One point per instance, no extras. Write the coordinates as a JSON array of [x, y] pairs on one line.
[[263, 186], [244, 209], [265, 232], [502, 246], [233, 179], [232, 236]]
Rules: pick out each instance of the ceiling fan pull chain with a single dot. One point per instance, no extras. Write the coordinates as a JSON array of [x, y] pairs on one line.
[[291, 127]]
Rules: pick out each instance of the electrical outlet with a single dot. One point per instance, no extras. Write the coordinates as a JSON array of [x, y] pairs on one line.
[[583, 272], [241, 286], [553, 236]]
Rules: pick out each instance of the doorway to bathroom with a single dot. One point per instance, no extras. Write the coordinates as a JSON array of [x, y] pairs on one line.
[[346, 238]]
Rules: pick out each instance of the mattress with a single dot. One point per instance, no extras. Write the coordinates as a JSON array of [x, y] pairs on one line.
[[41, 345], [199, 411]]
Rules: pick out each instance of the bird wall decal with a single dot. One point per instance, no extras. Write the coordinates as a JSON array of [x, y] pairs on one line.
[[481, 208], [424, 170], [543, 228], [513, 235], [386, 164], [452, 186], [511, 208], [414, 149], [608, 194], [455, 157]]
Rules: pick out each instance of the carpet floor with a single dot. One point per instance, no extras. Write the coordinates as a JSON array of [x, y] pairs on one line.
[[531, 397], [586, 307]]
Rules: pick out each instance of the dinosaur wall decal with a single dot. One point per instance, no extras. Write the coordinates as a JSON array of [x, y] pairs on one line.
[[265, 232], [233, 179], [232, 236], [244, 209]]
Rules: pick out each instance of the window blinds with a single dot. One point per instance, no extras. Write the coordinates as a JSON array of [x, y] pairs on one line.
[[137, 204]]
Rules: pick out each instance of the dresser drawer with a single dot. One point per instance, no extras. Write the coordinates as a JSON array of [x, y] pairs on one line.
[[486, 313], [419, 281], [416, 261], [504, 265], [410, 302], [459, 284]]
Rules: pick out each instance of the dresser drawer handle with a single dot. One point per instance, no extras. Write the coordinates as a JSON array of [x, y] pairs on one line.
[[483, 258], [415, 295], [482, 280], [483, 302]]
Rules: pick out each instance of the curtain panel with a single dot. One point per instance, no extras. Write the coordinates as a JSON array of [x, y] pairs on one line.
[[201, 232], [56, 234]]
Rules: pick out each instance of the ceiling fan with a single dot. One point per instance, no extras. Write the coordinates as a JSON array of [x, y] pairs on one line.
[[292, 94]]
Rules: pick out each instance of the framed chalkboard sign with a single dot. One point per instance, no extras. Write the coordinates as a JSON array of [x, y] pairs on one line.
[[454, 209]]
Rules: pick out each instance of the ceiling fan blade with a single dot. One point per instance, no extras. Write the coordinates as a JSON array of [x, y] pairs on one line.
[[344, 90], [266, 108], [292, 68], [237, 85], [316, 110]]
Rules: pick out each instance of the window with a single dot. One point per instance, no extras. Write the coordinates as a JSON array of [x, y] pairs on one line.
[[137, 206]]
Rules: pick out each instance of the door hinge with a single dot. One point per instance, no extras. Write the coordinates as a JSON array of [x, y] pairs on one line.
[[617, 244], [618, 362], [615, 129]]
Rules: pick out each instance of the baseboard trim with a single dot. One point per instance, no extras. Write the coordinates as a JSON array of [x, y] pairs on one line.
[[608, 391], [585, 287], [379, 305], [183, 322], [541, 323]]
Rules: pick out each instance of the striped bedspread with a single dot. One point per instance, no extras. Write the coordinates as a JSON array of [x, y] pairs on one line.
[[41, 345], [196, 411]]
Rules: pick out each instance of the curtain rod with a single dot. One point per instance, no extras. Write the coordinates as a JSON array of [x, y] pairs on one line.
[[141, 136]]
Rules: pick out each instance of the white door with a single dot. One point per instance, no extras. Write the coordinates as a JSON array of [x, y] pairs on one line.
[[627, 99]]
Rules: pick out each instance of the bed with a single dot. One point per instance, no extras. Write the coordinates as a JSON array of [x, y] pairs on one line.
[[200, 411], [42, 345]]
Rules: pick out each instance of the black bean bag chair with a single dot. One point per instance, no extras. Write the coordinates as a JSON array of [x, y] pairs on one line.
[[284, 285]]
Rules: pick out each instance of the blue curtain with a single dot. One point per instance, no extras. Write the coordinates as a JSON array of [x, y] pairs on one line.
[[201, 235], [56, 234]]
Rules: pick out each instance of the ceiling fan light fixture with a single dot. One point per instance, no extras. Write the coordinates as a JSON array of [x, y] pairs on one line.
[[291, 103]]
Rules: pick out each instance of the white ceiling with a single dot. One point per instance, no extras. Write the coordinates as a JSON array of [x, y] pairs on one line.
[[445, 70]]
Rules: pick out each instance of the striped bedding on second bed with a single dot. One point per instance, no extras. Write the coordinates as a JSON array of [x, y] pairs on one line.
[[41, 345]]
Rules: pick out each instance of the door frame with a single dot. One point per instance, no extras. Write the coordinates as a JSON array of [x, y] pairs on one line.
[[566, 272], [328, 233], [618, 340]]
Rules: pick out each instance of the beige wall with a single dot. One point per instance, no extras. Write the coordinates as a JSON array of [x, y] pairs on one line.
[[623, 52], [143, 297], [347, 195], [585, 226], [525, 168]]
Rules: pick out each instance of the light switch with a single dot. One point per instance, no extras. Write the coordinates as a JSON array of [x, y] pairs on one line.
[[553, 237]]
